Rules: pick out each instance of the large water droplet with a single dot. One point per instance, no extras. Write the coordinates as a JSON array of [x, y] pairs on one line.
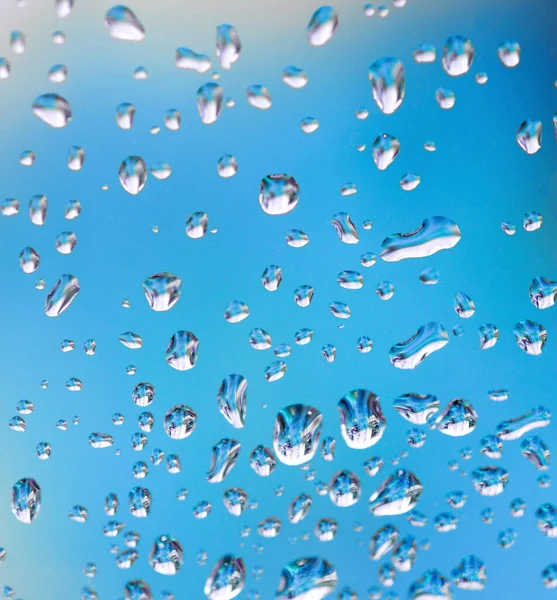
[[228, 46], [296, 434], [362, 422], [530, 336], [322, 26], [53, 109], [490, 481], [388, 83], [61, 295], [26, 500], [133, 174], [226, 579], [458, 55], [209, 102], [278, 194], [122, 24], [162, 291], [428, 339], [166, 556], [232, 399]]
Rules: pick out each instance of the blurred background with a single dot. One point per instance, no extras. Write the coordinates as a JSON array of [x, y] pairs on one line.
[[478, 177]]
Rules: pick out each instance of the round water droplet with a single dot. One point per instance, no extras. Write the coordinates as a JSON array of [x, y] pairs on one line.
[[52, 109]]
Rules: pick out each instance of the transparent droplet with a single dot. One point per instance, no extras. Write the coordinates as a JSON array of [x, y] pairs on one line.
[[259, 339], [345, 228], [345, 489], [491, 446], [549, 576], [52, 109], [18, 42], [161, 171], [143, 394], [299, 508], [388, 84], [458, 55], [122, 24], [294, 77], [433, 235], [529, 136], [543, 292], [236, 311], [481, 78], [196, 225], [227, 166], [296, 238], [458, 418], [368, 259], [58, 38], [225, 455], [100, 440], [209, 102], [534, 449], [490, 481], [432, 584], [278, 194], [532, 221], [133, 174], [325, 530], [61, 295], [445, 98], [232, 397], [17, 423], [362, 423], [385, 290], [66, 242], [365, 344], [78, 514], [29, 260], [530, 336], [38, 209], [425, 53], [262, 461], [398, 494], [409, 182], [416, 408], [166, 556], [270, 527], [428, 339], [322, 26], [162, 291], [228, 46], [172, 119], [72, 210], [58, 73], [429, 276], [275, 371], [312, 577], [509, 53], [303, 336], [5, 68], [309, 124], [235, 501], [384, 150], [188, 59], [180, 422], [296, 434], [226, 580]]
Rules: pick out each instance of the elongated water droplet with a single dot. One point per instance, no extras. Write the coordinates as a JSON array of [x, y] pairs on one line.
[[296, 434], [345, 228], [529, 136], [226, 580], [384, 150], [125, 114], [61, 296], [29, 260], [296, 238], [228, 46], [513, 429], [53, 109], [299, 508], [225, 456], [416, 408], [428, 339], [388, 83], [382, 541], [122, 24], [232, 399], [190, 60], [18, 42], [362, 422], [458, 418], [209, 102], [26, 500], [322, 26]]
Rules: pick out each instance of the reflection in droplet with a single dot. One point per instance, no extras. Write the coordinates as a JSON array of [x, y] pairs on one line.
[[180, 422], [296, 238], [258, 96], [433, 235], [209, 102], [166, 556], [262, 461], [26, 500], [307, 579], [416, 408], [425, 53], [345, 228], [232, 399], [100, 440], [385, 290], [61, 296], [529, 136], [322, 26], [271, 278], [530, 336], [398, 494], [38, 209], [52, 109], [309, 124], [490, 481], [362, 422], [543, 292], [534, 449], [489, 334], [133, 174], [410, 353], [458, 55], [345, 489], [225, 456], [384, 150], [188, 59], [29, 260], [226, 579], [162, 291], [278, 194], [227, 166], [303, 295], [236, 311], [228, 46], [458, 418], [445, 98], [57, 73], [122, 24], [196, 225], [17, 42], [5, 68], [275, 371], [509, 53]]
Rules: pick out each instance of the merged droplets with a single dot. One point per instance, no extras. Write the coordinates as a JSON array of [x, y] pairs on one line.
[[209, 102], [26, 500], [322, 26], [530, 336], [513, 429], [278, 194], [61, 295], [122, 24], [133, 174], [428, 339], [310, 578], [362, 422], [162, 291], [186, 58], [296, 434], [53, 109], [397, 495], [458, 55], [226, 579], [388, 83], [529, 136], [384, 150]]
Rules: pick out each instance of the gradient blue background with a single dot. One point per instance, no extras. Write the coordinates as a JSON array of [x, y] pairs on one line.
[[478, 177]]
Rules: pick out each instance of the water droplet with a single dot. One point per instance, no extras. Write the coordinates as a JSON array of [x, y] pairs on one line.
[[235, 501], [166, 556], [38, 209], [299, 508], [29, 260], [161, 171], [296, 434], [445, 98], [398, 494], [18, 42], [236, 311], [345, 489], [143, 394], [322, 26], [464, 305], [534, 449], [100, 440], [271, 278], [228, 46], [491, 446], [52, 109], [162, 291], [529, 136], [66, 242], [180, 422], [543, 292], [312, 578], [232, 399], [384, 150], [362, 422], [258, 96], [296, 238], [209, 102], [458, 55], [532, 221], [26, 500], [509, 53], [72, 210], [196, 225], [350, 280], [489, 334], [549, 576], [226, 579], [409, 182], [270, 527], [227, 166], [490, 481], [262, 461], [458, 418], [481, 78], [133, 174], [345, 228], [5, 68], [425, 53], [309, 124], [61, 296], [275, 371], [278, 194], [428, 339], [57, 73], [530, 336], [385, 290], [388, 84], [325, 530], [340, 310], [294, 77], [225, 456], [506, 538], [78, 514], [433, 235], [122, 24], [17, 423], [416, 408], [188, 59]]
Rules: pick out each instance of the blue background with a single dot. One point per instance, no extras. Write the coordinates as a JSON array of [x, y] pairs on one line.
[[478, 177]]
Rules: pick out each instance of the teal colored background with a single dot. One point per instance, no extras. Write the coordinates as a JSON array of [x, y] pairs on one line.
[[478, 177]]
